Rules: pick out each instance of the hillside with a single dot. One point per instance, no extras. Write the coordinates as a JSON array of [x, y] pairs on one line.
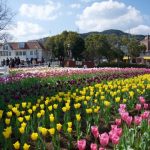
[[116, 32], [106, 32]]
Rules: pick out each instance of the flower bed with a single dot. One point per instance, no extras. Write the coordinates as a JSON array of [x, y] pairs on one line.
[[61, 120]]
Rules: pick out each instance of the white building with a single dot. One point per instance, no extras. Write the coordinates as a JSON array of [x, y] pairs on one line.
[[23, 50]]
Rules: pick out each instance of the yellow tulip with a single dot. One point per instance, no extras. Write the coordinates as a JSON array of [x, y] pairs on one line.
[[27, 118], [39, 115], [69, 124], [22, 130], [9, 114], [52, 131], [16, 145], [64, 109], [51, 118], [43, 131], [20, 119], [58, 126], [24, 124], [24, 104], [30, 111], [42, 106], [17, 113], [34, 136], [10, 106], [69, 130], [42, 112], [55, 106], [117, 99], [78, 117], [107, 103], [88, 110], [50, 108], [26, 146], [17, 105], [7, 121], [7, 132], [34, 108]]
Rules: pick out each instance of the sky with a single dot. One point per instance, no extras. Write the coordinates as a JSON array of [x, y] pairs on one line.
[[36, 19]]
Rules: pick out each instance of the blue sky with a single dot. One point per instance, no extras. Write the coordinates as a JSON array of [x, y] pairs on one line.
[[39, 18]]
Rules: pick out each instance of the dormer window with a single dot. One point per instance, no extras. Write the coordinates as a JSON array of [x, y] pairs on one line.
[[5, 47], [21, 45]]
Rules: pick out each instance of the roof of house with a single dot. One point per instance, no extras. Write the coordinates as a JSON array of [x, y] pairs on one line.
[[28, 45]]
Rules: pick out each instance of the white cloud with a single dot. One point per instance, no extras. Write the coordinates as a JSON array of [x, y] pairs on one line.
[[75, 5], [48, 11], [26, 31], [141, 29], [108, 14], [87, 1]]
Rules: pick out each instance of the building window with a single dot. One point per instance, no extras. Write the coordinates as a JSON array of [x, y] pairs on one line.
[[20, 53], [31, 52], [5, 47], [24, 53], [21, 45], [0, 53], [9, 53], [17, 53]]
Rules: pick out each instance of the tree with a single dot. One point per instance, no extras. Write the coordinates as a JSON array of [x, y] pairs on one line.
[[76, 44], [6, 16], [59, 44], [96, 46]]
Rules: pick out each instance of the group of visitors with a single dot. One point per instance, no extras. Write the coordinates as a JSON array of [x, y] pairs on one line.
[[12, 62], [15, 62]]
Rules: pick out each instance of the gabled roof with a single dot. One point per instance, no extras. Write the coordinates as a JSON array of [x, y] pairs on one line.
[[28, 45]]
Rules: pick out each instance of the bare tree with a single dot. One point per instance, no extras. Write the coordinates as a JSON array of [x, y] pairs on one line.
[[6, 16]]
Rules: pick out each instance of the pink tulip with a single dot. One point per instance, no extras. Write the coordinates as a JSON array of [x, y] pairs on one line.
[[145, 106], [101, 148], [138, 107], [124, 115], [81, 144], [95, 132], [123, 106], [93, 146], [113, 127], [118, 131], [129, 120], [111, 133], [104, 139], [145, 115], [137, 120], [115, 139], [118, 122], [121, 110], [142, 99]]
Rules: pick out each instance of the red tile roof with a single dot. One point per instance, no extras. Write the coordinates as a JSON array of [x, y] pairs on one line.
[[28, 45]]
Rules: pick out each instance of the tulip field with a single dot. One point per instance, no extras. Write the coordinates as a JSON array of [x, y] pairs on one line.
[[75, 109]]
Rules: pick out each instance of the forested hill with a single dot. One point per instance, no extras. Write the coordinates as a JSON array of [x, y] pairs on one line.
[[116, 32]]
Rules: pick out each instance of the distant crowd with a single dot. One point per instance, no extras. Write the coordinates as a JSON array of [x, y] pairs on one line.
[[15, 62]]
